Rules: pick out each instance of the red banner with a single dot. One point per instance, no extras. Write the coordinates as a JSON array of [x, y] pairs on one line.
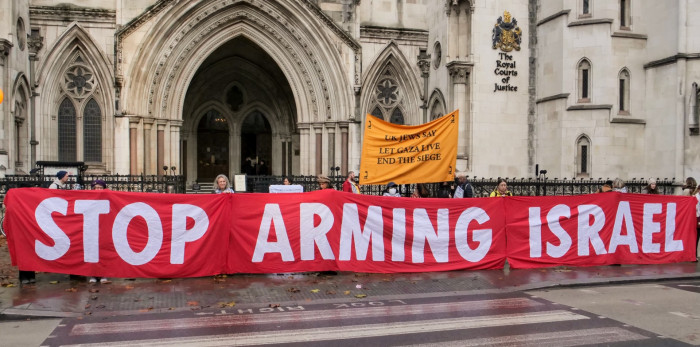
[[600, 229], [115, 234]]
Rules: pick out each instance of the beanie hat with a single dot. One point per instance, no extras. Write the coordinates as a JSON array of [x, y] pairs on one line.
[[99, 183], [61, 174]]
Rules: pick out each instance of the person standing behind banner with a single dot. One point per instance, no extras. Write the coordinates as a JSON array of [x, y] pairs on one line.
[[391, 190], [222, 185], [445, 190], [421, 191], [99, 185], [689, 187], [60, 181], [286, 181], [464, 189], [651, 188], [501, 189], [619, 185], [324, 182], [696, 193], [349, 185]]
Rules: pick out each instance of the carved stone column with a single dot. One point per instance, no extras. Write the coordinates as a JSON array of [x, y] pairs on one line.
[[175, 155], [133, 144], [344, 146], [424, 65], [330, 128], [459, 77], [318, 132], [147, 146], [160, 143]]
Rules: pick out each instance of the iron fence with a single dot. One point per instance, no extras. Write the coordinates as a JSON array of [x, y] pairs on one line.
[[482, 186], [124, 183]]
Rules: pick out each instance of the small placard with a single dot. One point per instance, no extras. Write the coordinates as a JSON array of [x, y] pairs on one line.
[[239, 183], [292, 188]]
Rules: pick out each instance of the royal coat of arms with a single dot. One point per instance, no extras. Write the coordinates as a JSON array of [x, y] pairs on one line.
[[506, 33]]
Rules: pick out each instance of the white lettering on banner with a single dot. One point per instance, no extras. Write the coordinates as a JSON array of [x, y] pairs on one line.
[[398, 236], [671, 245], [311, 235], [155, 233], [624, 215], [48, 225], [589, 234], [423, 230], [91, 211], [181, 235], [272, 215], [650, 228], [483, 236], [373, 231]]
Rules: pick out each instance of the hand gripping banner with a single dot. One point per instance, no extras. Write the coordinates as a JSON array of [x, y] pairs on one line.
[[409, 154]]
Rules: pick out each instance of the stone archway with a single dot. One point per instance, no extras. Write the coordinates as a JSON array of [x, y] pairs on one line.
[[238, 85]]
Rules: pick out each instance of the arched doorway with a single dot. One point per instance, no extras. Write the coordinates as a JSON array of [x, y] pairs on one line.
[[254, 115], [212, 146], [256, 144]]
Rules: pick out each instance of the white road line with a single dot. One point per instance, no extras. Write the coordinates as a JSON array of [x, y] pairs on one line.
[[356, 331], [297, 316], [558, 338]]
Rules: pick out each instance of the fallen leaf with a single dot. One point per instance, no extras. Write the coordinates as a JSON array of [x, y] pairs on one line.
[[166, 281], [9, 285], [274, 305], [88, 313], [94, 297], [53, 282], [293, 290], [72, 290], [170, 308], [315, 290], [147, 309], [330, 292], [227, 304], [193, 303], [100, 306], [129, 287], [93, 290], [360, 296], [87, 306], [347, 292]]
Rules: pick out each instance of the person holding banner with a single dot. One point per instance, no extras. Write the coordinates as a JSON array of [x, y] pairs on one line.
[[60, 181], [501, 189], [99, 185], [222, 185], [421, 191], [349, 185], [464, 189], [324, 182], [286, 181], [392, 190], [696, 193]]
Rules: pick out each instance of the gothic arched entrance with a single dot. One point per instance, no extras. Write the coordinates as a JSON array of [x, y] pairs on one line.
[[254, 118]]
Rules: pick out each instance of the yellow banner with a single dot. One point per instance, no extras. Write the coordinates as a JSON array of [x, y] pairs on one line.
[[409, 154]]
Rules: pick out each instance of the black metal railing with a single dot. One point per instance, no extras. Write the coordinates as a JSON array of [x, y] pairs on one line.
[[124, 183], [482, 186]]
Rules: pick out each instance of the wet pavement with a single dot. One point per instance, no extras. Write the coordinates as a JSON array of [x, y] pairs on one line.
[[55, 295]]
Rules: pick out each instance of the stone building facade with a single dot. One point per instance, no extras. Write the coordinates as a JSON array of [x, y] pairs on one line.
[[580, 88]]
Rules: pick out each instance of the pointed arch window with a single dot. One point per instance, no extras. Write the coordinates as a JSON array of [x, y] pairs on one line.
[[584, 81], [585, 9], [377, 112], [397, 117], [624, 92], [66, 131], [583, 156], [92, 132]]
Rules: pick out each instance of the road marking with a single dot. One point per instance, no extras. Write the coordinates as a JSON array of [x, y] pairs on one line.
[[685, 315], [297, 316], [357, 331]]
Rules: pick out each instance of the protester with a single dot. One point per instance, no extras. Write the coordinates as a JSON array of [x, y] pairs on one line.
[[286, 181], [651, 187], [421, 191], [60, 181], [349, 185], [689, 187], [324, 182], [445, 190], [501, 189], [222, 185], [619, 185], [392, 190], [464, 189], [99, 185], [607, 187]]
